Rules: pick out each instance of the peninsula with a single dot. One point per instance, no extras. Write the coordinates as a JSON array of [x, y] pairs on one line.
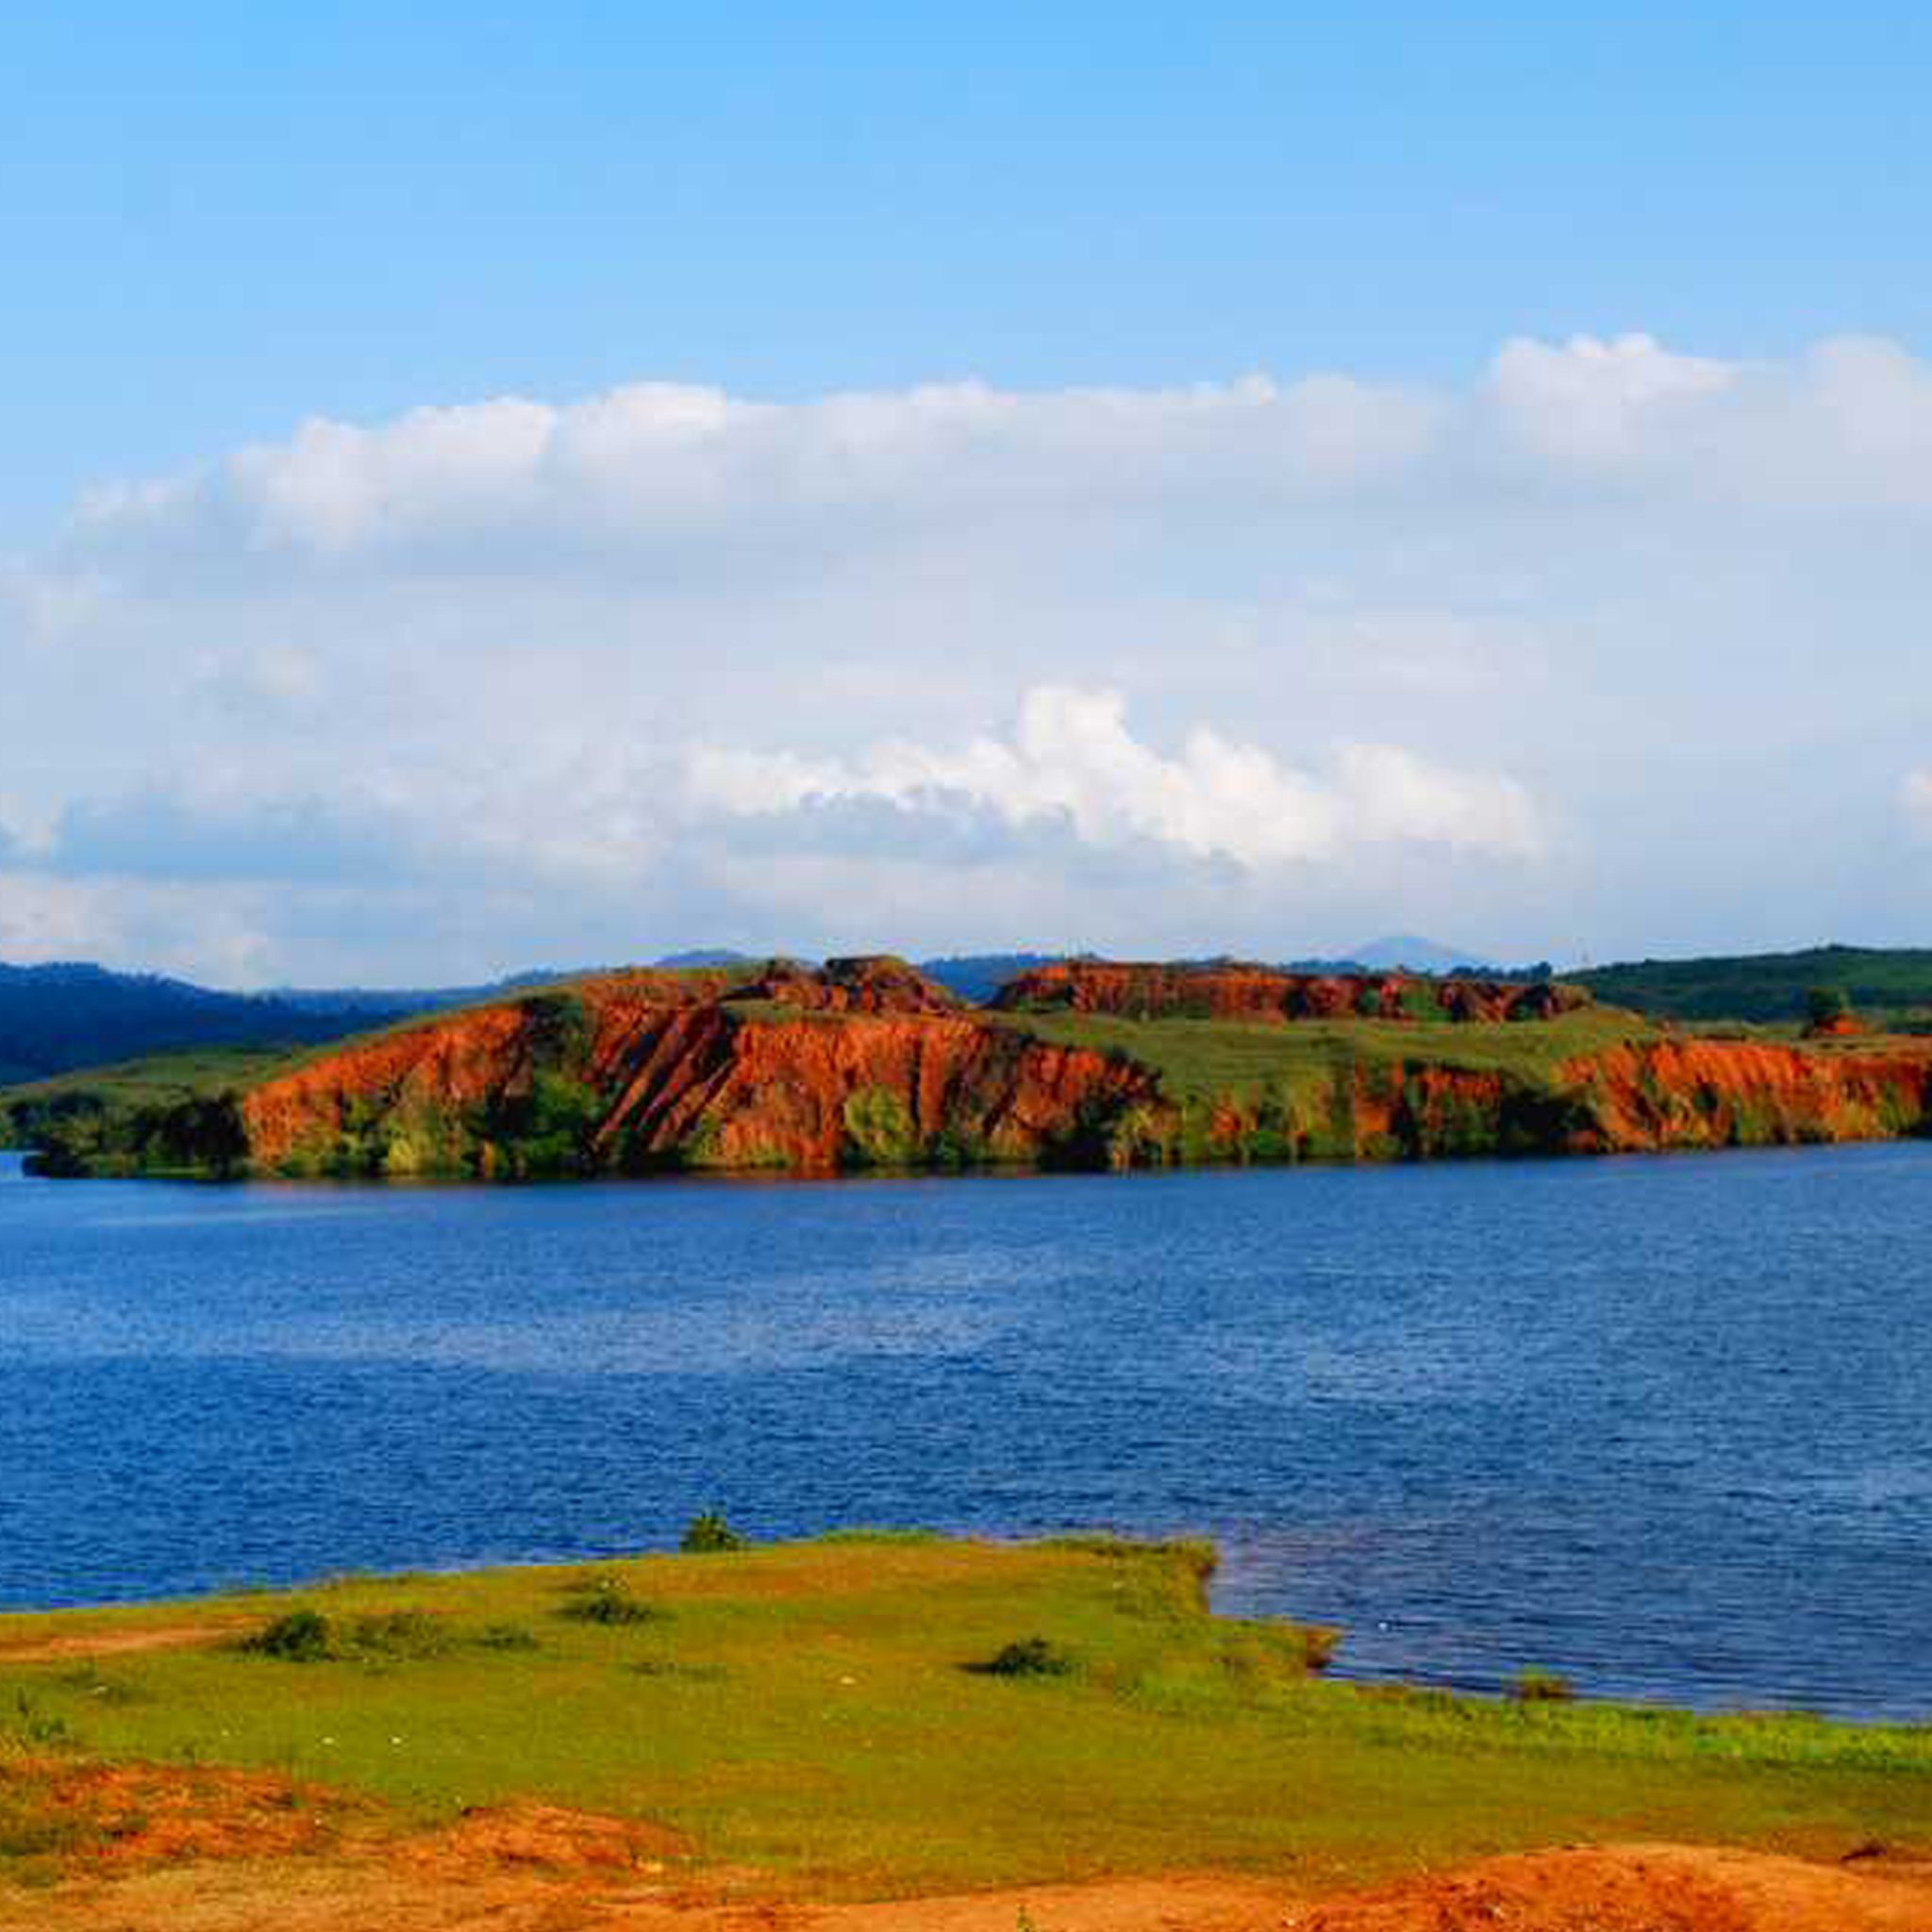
[[866, 1063]]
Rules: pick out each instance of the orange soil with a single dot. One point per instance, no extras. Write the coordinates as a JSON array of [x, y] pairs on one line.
[[192, 1849], [1611, 1889], [84, 1644], [771, 1092]]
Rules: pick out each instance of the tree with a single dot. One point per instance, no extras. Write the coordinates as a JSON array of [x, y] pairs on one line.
[[1826, 1006]]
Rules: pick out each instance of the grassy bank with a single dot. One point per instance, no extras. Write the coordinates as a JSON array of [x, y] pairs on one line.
[[1222, 1059], [814, 1712]]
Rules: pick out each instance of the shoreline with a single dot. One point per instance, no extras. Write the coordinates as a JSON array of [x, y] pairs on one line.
[[232, 1603], [954, 1730]]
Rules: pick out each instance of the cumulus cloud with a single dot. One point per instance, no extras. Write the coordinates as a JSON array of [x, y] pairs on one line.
[[630, 475], [1592, 401], [638, 474], [1071, 758], [1515, 658]]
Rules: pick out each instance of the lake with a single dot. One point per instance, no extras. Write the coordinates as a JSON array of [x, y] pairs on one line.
[[1661, 1423]]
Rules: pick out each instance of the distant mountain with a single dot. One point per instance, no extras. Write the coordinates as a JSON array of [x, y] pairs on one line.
[[395, 1000], [976, 976], [53, 1019], [705, 956], [1408, 952]]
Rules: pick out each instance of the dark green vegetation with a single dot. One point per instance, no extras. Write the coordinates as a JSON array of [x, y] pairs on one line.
[[815, 1711], [709, 1535], [1880, 983], [172, 1114], [57, 1018]]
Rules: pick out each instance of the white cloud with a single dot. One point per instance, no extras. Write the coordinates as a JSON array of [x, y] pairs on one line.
[[1915, 799], [637, 475], [513, 482], [1594, 401], [1319, 657], [1071, 756]]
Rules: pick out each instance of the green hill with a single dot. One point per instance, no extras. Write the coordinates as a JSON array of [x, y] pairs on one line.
[[1768, 988]]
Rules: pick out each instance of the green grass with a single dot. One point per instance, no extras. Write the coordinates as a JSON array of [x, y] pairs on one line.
[[1209, 1059], [158, 1081], [811, 1710]]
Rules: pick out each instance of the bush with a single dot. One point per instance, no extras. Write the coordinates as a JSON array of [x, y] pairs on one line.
[[1538, 1686], [505, 1636], [307, 1637], [1030, 1656], [385, 1635], [298, 1637], [709, 1535], [608, 1600], [1827, 1005]]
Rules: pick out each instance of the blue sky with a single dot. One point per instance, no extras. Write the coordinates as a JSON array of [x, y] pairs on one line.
[[222, 217], [972, 691]]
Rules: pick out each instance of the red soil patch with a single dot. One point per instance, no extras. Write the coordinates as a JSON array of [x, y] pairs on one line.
[[126, 1816], [1640, 1889], [82, 1645], [1608, 1889], [155, 1848], [545, 1836]]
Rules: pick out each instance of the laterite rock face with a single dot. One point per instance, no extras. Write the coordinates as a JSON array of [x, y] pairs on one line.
[[1262, 993], [867, 1064]]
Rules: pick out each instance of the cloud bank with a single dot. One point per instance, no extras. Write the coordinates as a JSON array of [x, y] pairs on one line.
[[1073, 760], [1614, 648]]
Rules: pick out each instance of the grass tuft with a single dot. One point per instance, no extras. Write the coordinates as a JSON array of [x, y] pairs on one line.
[[606, 1600], [1028, 1656]]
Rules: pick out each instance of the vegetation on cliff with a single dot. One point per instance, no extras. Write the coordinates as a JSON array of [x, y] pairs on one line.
[[865, 1063]]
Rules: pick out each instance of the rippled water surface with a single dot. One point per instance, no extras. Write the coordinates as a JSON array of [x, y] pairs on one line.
[[1661, 1423]]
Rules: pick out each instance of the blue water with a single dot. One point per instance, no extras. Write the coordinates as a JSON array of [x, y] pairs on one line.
[[1661, 1423]]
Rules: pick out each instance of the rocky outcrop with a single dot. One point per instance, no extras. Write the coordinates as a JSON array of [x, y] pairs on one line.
[[1263, 993], [1684, 1093], [867, 1065], [868, 983]]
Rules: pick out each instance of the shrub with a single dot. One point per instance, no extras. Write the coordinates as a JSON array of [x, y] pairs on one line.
[[297, 1636], [1824, 1005], [709, 1534], [385, 1635], [307, 1637], [1537, 1686], [505, 1636], [1030, 1657], [608, 1600]]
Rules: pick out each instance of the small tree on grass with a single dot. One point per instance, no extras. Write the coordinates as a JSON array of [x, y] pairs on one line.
[[1826, 1006]]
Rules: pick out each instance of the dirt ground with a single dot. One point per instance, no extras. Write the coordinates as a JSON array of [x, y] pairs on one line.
[[219, 1851]]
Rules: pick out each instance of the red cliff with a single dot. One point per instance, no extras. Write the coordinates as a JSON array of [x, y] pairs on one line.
[[1266, 994]]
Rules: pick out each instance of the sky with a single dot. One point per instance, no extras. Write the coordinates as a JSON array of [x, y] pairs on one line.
[[501, 486]]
